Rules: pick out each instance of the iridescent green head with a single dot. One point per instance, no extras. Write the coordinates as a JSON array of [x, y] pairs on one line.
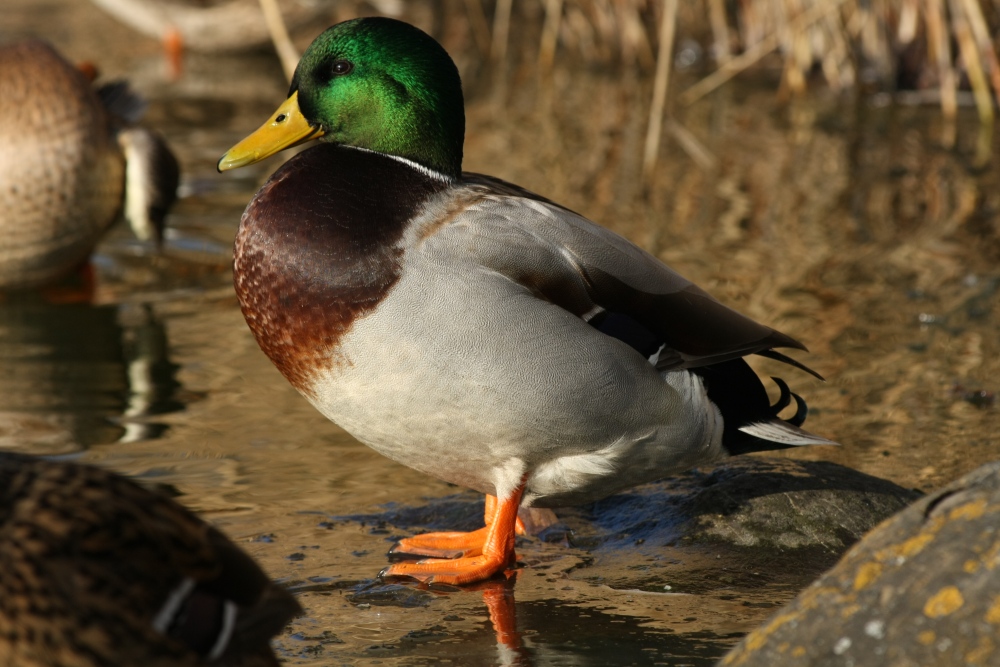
[[372, 83]]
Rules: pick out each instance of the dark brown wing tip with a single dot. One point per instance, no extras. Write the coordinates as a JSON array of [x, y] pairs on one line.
[[784, 358], [778, 339]]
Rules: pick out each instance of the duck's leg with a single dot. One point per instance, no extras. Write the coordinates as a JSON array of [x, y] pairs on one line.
[[452, 544], [496, 551], [173, 49], [77, 287]]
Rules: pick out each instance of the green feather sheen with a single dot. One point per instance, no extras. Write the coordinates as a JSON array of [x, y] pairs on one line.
[[403, 95]]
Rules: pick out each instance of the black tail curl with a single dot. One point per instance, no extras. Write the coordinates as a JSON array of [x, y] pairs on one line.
[[785, 399], [750, 422]]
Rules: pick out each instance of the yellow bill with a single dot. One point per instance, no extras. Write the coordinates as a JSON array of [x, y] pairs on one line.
[[287, 127]]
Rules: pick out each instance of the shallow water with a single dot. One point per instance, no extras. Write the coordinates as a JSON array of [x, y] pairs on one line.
[[843, 223]]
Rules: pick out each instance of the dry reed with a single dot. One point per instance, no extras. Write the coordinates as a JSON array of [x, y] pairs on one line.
[[848, 42], [934, 46]]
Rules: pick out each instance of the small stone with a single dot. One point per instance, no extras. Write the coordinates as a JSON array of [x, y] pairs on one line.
[[875, 629]]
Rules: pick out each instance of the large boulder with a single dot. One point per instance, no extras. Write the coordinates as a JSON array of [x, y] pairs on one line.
[[921, 589]]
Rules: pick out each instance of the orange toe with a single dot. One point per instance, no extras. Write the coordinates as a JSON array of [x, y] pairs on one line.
[[455, 572], [443, 545]]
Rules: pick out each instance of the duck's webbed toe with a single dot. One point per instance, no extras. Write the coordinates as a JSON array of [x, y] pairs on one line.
[[442, 545]]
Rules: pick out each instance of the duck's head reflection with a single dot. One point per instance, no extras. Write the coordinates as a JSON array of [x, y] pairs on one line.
[[78, 374]]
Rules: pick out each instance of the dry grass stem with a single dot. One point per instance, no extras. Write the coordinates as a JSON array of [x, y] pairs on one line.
[[720, 31], [287, 52], [837, 67], [981, 31], [973, 64], [941, 50], [632, 35], [550, 34], [480, 27], [668, 24], [690, 144], [501, 30], [906, 30], [755, 53]]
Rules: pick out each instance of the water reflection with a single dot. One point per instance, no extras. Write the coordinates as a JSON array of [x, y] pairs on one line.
[[77, 375], [153, 386], [499, 599], [542, 631]]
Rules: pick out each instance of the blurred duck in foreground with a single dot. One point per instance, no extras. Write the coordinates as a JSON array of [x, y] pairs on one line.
[[467, 327], [98, 571], [71, 162]]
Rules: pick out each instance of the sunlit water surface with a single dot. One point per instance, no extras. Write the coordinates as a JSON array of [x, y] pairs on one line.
[[844, 223]]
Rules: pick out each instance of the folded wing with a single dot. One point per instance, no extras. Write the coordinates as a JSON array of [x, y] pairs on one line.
[[610, 282]]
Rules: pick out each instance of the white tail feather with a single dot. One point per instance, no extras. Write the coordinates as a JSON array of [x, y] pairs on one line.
[[784, 433]]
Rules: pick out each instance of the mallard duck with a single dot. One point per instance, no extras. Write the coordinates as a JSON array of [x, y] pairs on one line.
[[469, 328], [70, 163], [100, 571]]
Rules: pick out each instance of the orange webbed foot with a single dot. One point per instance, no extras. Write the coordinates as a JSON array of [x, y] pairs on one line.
[[481, 554], [453, 544]]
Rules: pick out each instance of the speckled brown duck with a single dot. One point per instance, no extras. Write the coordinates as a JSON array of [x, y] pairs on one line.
[[70, 163], [467, 327], [96, 571]]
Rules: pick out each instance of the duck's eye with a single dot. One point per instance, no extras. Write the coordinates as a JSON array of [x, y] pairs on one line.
[[341, 67]]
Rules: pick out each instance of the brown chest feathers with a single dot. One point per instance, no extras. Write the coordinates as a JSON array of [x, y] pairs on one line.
[[318, 248]]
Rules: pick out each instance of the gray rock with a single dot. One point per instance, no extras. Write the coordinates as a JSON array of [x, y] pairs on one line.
[[921, 589], [753, 526], [745, 523], [747, 502]]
